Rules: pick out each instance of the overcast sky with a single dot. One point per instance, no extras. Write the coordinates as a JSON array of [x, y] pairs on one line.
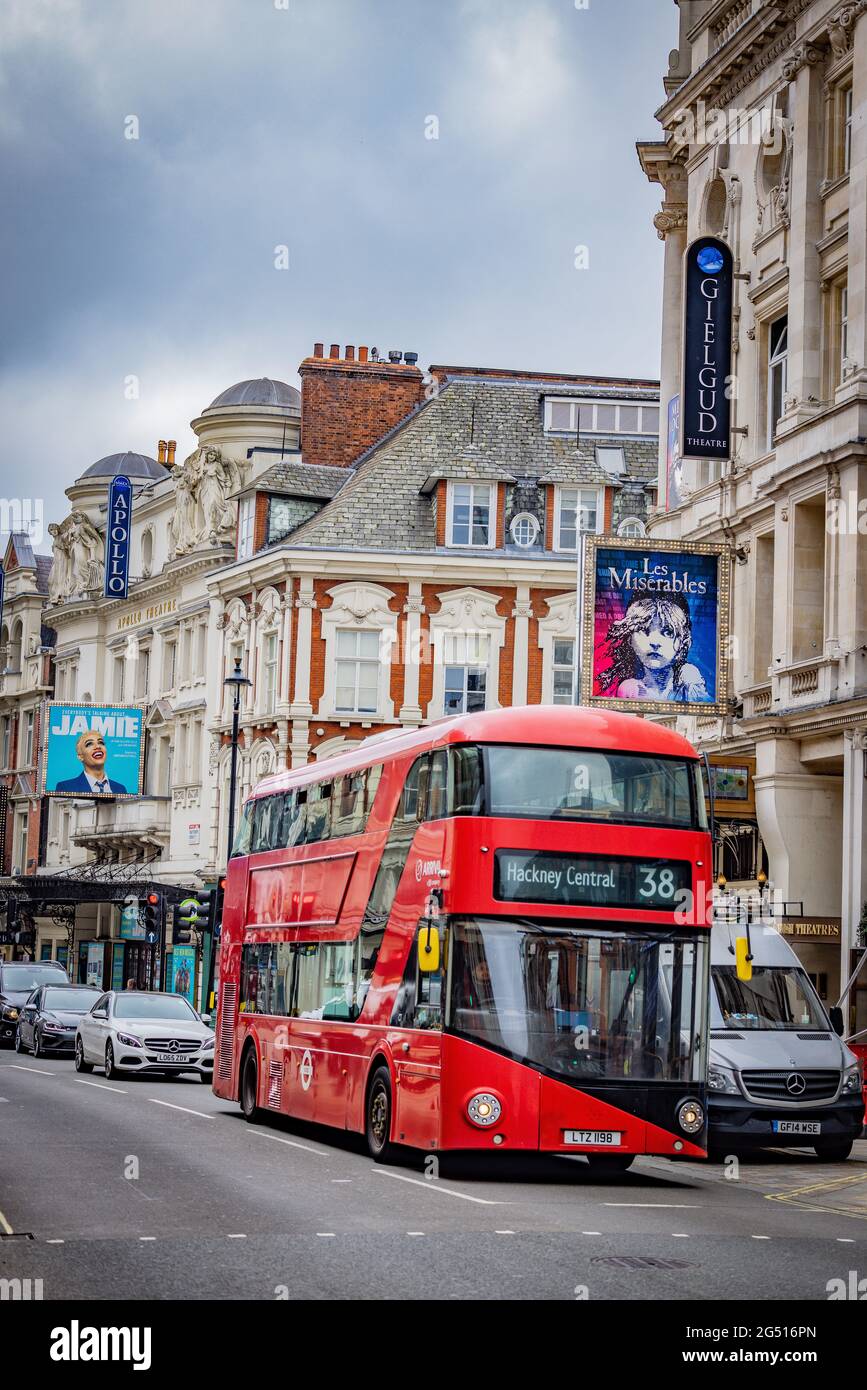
[[303, 123]]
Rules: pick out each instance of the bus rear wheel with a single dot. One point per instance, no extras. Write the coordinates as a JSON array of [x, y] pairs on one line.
[[378, 1118], [610, 1163], [250, 1089]]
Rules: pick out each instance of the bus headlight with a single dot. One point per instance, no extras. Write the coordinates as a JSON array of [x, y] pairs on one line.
[[690, 1116], [484, 1110]]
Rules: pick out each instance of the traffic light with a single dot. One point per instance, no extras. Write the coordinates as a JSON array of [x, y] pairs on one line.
[[153, 916], [199, 912]]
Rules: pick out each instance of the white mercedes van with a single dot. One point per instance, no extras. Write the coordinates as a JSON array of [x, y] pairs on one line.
[[778, 1073]]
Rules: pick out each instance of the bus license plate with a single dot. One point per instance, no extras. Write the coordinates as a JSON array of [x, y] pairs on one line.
[[593, 1138], [796, 1127]]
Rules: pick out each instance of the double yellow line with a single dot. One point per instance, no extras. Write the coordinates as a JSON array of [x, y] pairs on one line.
[[835, 1185]]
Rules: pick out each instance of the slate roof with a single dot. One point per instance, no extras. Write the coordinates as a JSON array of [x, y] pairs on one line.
[[294, 478], [474, 427]]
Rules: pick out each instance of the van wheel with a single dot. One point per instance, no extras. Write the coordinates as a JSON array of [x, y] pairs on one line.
[[833, 1153], [610, 1163], [250, 1089], [378, 1118]]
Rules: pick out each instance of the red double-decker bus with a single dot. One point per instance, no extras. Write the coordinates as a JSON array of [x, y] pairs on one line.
[[471, 936]]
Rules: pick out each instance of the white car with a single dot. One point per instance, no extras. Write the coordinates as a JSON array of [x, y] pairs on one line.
[[130, 1031]]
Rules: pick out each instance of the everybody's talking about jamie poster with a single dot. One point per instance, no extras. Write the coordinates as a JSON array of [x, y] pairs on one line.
[[93, 750], [655, 630]]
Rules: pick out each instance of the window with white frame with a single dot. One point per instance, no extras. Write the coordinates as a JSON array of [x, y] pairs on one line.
[[632, 527], [847, 130], [29, 719], [470, 514], [843, 300], [566, 415], [466, 657], [576, 510], [524, 530], [196, 737], [778, 371], [563, 670], [269, 673], [119, 678], [246, 524], [142, 671], [5, 739], [357, 685], [20, 851], [170, 662]]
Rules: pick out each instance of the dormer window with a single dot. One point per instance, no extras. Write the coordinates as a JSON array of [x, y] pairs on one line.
[[611, 458], [577, 509], [471, 515], [565, 415]]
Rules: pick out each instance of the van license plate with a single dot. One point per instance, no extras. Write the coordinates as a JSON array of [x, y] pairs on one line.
[[796, 1127], [593, 1138]]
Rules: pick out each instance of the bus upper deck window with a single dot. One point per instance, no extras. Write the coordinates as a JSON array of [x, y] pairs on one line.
[[244, 832], [437, 786], [465, 781]]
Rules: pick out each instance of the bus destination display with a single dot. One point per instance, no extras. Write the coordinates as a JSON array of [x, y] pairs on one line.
[[585, 880]]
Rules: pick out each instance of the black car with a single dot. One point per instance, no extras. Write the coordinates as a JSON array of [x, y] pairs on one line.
[[18, 980], [48, 1020]]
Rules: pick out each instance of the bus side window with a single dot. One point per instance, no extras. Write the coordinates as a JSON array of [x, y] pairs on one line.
[[465, 781], [318, 813], [371, 785], [244, 837], [275, 838], [437, 786], [262, 823], [295, 819], [413, 790], [419, 996]]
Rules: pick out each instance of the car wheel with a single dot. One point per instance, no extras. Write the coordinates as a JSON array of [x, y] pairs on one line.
[[610, 1164], [834, 1153], [80, 1064], [378, 1118], [250, 1089], [37, 1043], [205, 1078], [110, 1068], [19, 1041]]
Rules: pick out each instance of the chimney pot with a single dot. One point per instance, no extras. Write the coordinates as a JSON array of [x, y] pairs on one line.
[[318, 350], [335, 351], [161, 451], [170, 461], [362, 354], [394, 355], [349, 353]]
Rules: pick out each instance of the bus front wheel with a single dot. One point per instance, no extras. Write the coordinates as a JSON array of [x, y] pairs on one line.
[[378, 1119], [250, 1089], [610, 1163]]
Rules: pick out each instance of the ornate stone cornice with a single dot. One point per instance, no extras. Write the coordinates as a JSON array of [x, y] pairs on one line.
[[802, 55]]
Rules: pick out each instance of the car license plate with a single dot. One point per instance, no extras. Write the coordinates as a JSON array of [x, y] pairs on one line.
[[169, 1057], [593, 1138], [796, 1127]]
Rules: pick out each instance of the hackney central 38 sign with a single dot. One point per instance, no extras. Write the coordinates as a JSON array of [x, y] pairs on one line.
[[117, 536], [705, 409]]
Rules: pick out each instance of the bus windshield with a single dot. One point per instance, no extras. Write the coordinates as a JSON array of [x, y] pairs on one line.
[[777, 997], [587, 784], [583, 1004]]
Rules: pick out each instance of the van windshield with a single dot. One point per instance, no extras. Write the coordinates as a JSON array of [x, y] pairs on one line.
[[777, 997]]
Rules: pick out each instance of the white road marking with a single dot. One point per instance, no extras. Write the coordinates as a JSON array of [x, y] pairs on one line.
[[236, 1235], [504, 1233], [341, 1179], [100, 1085], [16, 1066], [147, 1237], [55, 1241], [591, 1233], [187, 1111], [326, 1235], [293, 1144], [680, 1235], [4, 1225], [663, 1206], [845, 1240], [415, 1233], [760, 1237], [438, 1187]]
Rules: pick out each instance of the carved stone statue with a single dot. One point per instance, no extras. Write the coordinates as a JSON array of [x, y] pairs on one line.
[[86, 548], [203, 513], [59, 581]]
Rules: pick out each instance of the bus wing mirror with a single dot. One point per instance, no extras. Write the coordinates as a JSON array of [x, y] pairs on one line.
[[428, 949], [743, 958]]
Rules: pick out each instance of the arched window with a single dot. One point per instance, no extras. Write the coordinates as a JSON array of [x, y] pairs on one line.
[[147, 553], [524, 530], [631, 527], [14, 658]]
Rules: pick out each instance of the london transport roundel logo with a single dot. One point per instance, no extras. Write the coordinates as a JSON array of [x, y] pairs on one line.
[[710, 260], [305, 1071]]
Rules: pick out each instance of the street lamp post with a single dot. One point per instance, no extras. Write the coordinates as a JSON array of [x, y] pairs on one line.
[[235, 682]]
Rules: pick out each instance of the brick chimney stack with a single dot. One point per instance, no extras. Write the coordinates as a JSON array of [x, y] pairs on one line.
[[350, 401], [170, 455]]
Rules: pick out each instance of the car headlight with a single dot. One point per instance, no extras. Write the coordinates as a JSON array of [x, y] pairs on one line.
[[209, 1043], [128, 1040], [53, 1028], [484, 1110], [721, 1079], [690, 1116], [852, 1080], [10, 1012]]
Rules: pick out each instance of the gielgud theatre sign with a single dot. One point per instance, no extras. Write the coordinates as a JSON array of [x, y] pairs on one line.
[[705, 405]]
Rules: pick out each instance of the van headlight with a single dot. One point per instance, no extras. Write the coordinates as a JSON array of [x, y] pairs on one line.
[[721, 1079], [484, 1110], [852, 1080], [690, 1116]]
